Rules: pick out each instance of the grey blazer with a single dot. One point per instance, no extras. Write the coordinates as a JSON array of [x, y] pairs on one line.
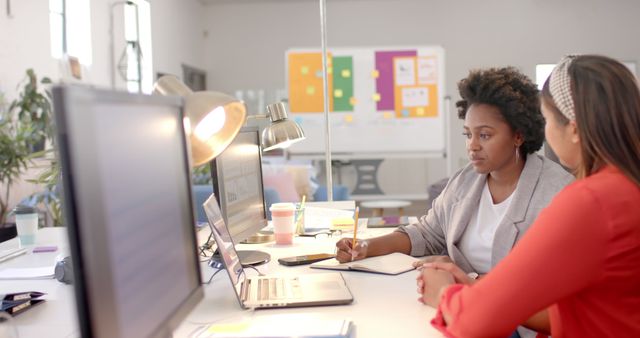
[[439, 231]]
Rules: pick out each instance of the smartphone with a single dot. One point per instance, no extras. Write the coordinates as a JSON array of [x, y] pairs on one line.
[[306, 259], [387, 221]]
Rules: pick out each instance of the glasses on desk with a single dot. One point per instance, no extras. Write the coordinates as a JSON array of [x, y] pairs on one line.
[[329, 233]]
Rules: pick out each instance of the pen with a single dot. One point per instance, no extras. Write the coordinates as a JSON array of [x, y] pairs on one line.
[[299, 226], [355, 227]]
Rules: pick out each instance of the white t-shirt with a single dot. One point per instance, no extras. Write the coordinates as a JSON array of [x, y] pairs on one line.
[[477, 240]]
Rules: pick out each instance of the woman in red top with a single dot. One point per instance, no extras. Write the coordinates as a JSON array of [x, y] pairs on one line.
[[580, 259]]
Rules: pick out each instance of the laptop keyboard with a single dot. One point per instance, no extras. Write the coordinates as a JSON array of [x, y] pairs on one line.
[[278, 288]]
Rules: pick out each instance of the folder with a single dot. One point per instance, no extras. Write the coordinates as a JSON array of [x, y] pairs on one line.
[[391, 264], [16, 303]]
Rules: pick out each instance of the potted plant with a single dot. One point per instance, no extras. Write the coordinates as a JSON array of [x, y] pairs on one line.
[[15, 155], [33, 107]]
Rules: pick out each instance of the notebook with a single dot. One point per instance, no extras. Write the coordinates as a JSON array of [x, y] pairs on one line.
[[391, 264], [273, 291]]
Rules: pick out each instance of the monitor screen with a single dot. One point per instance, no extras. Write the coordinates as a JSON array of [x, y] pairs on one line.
[[128, 207], [237, 182]]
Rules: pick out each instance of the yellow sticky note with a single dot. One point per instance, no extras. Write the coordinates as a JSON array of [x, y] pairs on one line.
[[329, 70], [342, 223], [304, 70], [348, 118], [229, 327], [375, 74], [311, 90], [376, 97], [420, 111], [353, 101], [387, 115], [337, 93], [346, 73]]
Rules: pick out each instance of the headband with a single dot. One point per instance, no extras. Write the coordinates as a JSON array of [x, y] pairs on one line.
[[560, 87]]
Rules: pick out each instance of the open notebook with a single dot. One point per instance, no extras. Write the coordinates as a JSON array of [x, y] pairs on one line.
[[391, 264]]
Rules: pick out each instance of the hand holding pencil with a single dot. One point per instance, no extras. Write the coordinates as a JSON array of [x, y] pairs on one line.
[[352, 249]]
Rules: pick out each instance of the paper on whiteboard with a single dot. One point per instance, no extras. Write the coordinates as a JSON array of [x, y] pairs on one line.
[[405, 71], [427, 70], [415, 97]]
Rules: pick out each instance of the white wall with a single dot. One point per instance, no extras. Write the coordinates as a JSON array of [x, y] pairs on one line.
[[248, 38], [177, 28], [25, 43]]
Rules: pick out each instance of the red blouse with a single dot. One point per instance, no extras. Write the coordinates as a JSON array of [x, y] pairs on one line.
[[580, 259]]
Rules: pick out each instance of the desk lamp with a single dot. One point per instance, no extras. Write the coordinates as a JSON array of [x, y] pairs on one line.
[[282, 132], [214, 119]]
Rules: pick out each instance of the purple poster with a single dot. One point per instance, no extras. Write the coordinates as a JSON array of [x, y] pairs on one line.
[[384, 82]]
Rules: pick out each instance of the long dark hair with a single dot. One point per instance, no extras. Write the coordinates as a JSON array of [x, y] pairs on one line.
[[607, 109]]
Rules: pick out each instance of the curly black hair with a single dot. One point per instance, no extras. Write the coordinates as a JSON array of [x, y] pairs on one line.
[[514, 94]]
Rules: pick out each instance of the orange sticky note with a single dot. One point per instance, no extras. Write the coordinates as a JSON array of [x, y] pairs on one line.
[[353, 101], [375, 74], [387, 115], [348, 118], [420, 111], [376, 97]]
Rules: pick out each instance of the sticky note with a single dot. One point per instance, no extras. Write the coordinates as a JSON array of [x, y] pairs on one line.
[[376, 97], [329, 70], [342, 223], [229, 327], [405, 112], [304, 70], [420, 111], [311, 90], [337, 93], [353, 101], [387, 115], [348, 118], [319, 73], [375, 73], [346, 73]]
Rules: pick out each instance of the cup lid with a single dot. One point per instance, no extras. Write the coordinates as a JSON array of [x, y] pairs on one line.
[[23, 210]]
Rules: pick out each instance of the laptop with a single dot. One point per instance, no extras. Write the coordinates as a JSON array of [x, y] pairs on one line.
[[259, 292]]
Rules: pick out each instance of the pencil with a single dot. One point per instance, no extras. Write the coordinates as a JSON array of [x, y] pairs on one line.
[[299, 228], [355, 227]]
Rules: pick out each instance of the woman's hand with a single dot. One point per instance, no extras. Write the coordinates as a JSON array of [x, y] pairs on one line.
[[346, 253], [431, 282], [458, 274], [432, 259]]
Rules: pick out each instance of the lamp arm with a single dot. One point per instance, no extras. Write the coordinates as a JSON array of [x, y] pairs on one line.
[[258, 116]]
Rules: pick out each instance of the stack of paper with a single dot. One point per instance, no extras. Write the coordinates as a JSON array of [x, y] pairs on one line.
[[28, 273], [289, 325]]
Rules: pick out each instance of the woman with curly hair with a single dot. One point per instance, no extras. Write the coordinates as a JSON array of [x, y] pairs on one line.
[[488, 205], [580, 259]]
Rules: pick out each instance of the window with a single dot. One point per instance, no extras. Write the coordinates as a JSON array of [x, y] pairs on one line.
[[70, 26], [137, 22]]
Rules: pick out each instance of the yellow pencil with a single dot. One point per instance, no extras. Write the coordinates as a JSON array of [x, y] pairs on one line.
[[355, 227], [299, 226]]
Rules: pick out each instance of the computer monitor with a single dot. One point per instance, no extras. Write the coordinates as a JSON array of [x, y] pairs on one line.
[[128, 208], [238, 186]]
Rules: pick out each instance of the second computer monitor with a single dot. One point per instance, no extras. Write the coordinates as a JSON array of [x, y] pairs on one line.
[[237, 183]]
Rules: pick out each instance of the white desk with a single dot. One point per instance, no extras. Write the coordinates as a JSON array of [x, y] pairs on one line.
[[384, 306]]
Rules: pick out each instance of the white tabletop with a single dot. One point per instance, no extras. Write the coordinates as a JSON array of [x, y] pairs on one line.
[[384, 306]]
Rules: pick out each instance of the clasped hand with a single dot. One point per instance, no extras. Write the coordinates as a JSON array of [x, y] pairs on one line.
[[434, 277]]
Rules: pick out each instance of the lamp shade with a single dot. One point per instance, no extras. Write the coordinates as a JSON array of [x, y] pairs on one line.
[[282, 132], [214, 119]]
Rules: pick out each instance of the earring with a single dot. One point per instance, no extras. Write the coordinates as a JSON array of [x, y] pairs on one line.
[[517, 155]]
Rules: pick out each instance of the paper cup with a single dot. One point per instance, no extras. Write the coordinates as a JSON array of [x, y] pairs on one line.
[[283, 219]]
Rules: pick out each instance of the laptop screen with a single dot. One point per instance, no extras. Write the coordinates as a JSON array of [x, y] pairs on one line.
[[224, 241]]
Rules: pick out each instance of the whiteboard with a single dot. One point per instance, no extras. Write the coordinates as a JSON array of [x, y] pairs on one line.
[[387, 100]]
